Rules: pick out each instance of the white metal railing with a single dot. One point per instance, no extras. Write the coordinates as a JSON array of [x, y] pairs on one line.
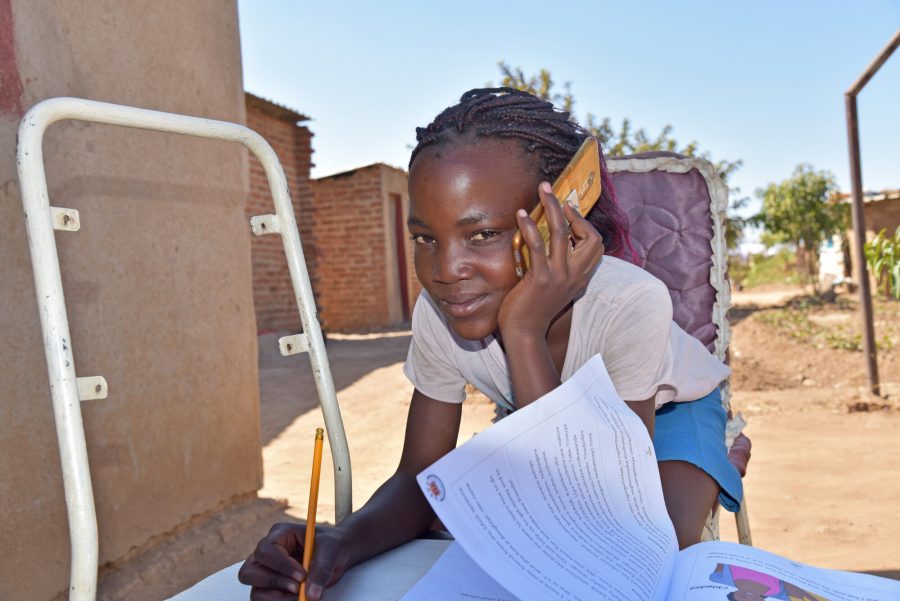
[[66, 388]]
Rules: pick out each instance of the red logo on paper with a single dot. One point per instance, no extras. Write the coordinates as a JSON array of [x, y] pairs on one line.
[[435, 487]]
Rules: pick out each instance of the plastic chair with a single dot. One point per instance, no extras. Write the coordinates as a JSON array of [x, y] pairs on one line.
[[676, 208]]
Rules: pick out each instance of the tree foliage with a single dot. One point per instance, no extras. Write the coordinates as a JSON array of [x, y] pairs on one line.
[[804, 211], [540, 85], [628, 140]]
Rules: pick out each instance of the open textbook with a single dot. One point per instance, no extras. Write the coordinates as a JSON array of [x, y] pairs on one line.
[[562, 500]]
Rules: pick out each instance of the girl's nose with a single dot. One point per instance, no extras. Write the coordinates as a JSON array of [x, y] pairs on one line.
[[451, 265]]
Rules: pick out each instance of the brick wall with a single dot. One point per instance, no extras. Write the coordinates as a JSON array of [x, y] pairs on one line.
[[881, 215], [348, 228], [878, 215], [356, 243], [273, 295]]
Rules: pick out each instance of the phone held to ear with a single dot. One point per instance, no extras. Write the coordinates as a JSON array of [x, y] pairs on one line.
[[578, 184]]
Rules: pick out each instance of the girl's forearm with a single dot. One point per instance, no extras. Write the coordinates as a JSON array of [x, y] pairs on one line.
[[397, 513], [531, 368]]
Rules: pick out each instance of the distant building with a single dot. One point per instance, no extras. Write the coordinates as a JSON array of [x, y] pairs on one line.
[[352, 227], [366, 276], [881, 210]]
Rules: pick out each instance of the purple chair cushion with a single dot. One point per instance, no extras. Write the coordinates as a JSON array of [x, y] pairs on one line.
[[671, 229]]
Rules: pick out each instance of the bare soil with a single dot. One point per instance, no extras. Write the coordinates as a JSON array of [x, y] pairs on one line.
[[822, 485]]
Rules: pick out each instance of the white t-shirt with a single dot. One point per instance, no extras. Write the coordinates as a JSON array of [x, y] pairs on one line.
[[625, 315]]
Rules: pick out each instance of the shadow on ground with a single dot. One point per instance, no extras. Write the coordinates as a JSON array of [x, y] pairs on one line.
[[287, 388], [893, 574], [739, 312]]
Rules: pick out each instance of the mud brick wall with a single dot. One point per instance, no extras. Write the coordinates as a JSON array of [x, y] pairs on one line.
[[273, 295]]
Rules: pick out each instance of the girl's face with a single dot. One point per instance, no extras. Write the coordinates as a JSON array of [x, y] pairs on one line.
[[463, 198]]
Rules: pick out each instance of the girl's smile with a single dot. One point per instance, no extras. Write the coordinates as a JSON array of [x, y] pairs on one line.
[[464, 195], [460, 307]]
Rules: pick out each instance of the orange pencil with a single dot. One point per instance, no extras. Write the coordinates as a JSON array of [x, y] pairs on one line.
[[311, 509]]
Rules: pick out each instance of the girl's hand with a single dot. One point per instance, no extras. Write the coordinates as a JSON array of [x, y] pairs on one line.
[[552, 282], [274, 569]]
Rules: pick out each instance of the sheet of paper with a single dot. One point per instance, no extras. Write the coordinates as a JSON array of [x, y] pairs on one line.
[[383, 578], [456, 576], [710, 571], [562, 499]]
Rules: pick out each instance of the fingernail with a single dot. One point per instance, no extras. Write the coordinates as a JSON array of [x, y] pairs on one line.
[[314, 591], [293, 587], [521, 213], [298, 576], [545, 186]]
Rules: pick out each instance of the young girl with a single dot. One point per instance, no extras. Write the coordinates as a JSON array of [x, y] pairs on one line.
[[477, 171]]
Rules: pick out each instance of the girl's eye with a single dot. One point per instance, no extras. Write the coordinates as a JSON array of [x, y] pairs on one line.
[[485, 235], [420, 239]]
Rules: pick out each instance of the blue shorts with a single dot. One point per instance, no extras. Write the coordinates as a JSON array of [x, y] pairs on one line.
[[694, 431]]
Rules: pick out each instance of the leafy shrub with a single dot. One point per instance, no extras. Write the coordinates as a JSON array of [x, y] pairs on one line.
[[760, 269], [883, 258]]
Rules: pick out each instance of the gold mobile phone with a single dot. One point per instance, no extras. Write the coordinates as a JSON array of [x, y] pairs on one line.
[[578, 184]]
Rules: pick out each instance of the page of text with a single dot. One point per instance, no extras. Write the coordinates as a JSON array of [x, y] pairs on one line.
[[456, 576], [562, 499]]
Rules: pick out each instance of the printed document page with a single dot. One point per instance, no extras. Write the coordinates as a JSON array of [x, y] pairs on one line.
[[456, 576], [713, 570], [562, 499]]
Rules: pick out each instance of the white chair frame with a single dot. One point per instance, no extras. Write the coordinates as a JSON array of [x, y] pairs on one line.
[[66, 388]]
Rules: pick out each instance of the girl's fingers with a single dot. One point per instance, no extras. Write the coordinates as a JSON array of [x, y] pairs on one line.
[[258, 576], [575, 246], [579, 227], [559, 226], [586, 243], [276, 558], [536, 250]]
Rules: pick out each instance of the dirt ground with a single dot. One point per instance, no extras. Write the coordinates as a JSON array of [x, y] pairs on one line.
[[822, 487]]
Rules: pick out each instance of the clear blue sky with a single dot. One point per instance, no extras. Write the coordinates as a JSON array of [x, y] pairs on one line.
[[762, 82]]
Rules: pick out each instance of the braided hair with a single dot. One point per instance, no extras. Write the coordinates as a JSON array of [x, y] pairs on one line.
[[547, 132]]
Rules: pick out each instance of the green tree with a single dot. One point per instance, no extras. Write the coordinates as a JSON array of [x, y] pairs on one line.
[[541, 85], [803, 211], [627, 140]]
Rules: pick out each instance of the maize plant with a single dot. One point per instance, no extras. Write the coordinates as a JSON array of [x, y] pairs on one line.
[[883, 258]]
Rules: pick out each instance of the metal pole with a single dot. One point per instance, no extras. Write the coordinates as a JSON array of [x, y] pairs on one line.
[[876, 63], [859, 236], [859, 221]]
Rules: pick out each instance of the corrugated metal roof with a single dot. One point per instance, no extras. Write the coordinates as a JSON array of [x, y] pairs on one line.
[[873, 196]]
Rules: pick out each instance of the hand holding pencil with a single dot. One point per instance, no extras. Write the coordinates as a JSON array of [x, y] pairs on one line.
[[274, 569], [309, 540]]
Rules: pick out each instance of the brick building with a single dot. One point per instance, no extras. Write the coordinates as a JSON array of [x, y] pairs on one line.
[[881, 211], [352, 226], [366, 278]]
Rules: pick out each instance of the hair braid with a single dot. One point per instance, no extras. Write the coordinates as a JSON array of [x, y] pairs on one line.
[[545, 131]]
